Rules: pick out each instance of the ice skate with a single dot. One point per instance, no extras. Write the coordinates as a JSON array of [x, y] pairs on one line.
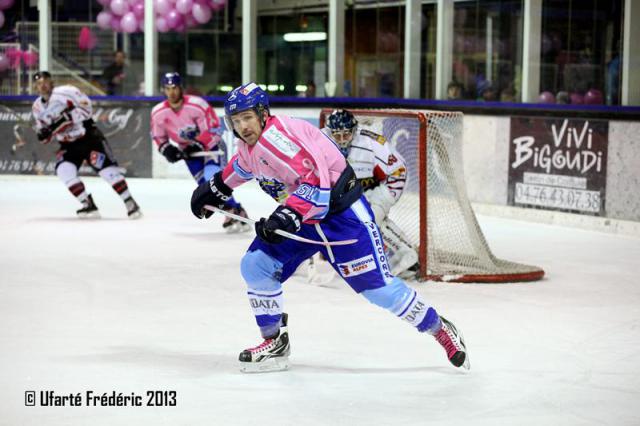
[[241, 226], [270, 355], [133, 209], [234, 226], [452, 341], [89, 209]]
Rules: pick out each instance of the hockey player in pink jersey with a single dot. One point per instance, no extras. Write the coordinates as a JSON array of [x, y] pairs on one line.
[[320, 198], [64, 114], [193, 126]]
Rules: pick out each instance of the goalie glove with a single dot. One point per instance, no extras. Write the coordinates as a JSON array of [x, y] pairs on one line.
[[282, 218], [171, 152], [214, 193], [381, 201]]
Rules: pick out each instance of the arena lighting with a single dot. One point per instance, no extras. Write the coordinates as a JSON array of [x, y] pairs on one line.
[[297, 37]]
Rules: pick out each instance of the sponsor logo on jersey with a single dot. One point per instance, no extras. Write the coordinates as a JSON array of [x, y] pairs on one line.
[[378, 245], [97, 159], [357, 266], [281, 142]]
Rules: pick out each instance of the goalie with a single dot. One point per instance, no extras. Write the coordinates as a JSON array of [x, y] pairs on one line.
[[383, 174]]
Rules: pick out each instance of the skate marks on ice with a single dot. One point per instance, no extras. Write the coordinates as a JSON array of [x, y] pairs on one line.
[[183, 363]]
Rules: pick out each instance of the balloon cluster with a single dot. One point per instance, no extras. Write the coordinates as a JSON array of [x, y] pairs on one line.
[[11, 58], [4, 5], [171, 15]]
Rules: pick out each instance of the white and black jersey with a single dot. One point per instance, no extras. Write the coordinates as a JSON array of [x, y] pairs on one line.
[[67, 100], [376, 162]]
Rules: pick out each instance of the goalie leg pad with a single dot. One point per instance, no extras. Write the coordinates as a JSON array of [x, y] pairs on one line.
[[262, 274]]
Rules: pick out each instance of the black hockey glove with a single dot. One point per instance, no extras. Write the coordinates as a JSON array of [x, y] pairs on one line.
[[44, 134], [171, 153], [282, 218], [214, 193], [194, 147]]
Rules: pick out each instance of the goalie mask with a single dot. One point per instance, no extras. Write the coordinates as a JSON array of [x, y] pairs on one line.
[[342, 125]]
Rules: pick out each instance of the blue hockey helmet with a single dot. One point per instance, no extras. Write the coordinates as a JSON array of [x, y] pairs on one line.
[[171, 79], [342, 125], [341, 119], [245, 97]]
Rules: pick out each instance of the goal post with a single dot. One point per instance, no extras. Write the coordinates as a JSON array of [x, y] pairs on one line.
[[434, 211]]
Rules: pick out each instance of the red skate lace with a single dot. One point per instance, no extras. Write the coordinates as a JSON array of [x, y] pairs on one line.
[[446, 341], [262, 346]]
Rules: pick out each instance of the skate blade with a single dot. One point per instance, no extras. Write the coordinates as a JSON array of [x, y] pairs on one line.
[[92, 215], [268, 366], [237, 228], [135, 215]]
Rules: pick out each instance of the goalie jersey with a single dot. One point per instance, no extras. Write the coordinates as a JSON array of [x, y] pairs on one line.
[[66, 101], [376, 162]]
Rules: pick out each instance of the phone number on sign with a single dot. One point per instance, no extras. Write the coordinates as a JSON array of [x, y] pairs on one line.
[[558, 198]]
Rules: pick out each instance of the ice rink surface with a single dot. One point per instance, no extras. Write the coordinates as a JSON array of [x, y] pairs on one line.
[[159, 304]]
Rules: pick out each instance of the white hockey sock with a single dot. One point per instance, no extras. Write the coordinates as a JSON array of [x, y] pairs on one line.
[[116, 179], [68, 173]]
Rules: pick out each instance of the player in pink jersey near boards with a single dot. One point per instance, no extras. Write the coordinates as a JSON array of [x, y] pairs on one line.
[[185, 127]]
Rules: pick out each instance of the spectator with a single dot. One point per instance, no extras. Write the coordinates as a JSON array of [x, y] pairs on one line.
[[311, 90], [486, 92], [113, 75], [454, 91], [508, 95]]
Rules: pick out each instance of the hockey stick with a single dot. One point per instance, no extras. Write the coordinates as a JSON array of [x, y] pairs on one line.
[[281, 232], [208, 154]]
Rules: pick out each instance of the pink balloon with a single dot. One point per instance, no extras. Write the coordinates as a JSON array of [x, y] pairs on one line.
[[184, 6], [115, 24], [5, 63], [119, 7], [1, 19], [201, 13], [218, 4], [129, 23], [6, 4], [180, 28], [138, 10], [104, 20], [190, 21], [576, 98], [593, 97], [162, 7], [547, 98], [161, 25], [30, 59], [14, 56], [174, 19]]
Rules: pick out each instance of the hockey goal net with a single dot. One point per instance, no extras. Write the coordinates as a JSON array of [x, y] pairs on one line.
[[434, 211]]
